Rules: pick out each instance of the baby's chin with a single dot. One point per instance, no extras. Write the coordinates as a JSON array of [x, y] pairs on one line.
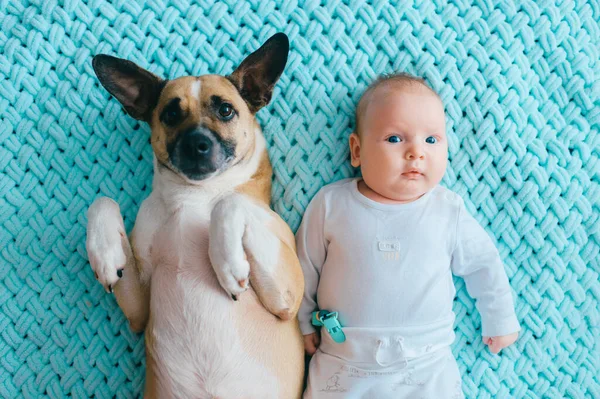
[[408, 192], [398, 192], [402, 196]]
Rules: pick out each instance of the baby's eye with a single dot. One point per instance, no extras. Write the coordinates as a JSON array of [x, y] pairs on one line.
[[431, 140], [394, 139]]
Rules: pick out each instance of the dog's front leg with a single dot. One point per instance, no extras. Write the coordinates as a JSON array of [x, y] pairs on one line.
[[113, 262], [248, 241]]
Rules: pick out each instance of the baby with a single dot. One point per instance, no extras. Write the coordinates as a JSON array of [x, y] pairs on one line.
[[378, 254]]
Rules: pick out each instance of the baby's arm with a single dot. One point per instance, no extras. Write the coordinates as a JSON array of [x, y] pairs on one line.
[[312, 342], [476, 260], [312, 251]]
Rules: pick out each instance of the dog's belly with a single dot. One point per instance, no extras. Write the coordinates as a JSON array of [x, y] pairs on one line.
[[202, 343]]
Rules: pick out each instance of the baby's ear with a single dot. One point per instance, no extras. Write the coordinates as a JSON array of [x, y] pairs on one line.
[[354, 142]]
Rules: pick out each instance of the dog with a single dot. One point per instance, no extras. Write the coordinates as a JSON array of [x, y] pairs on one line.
[[209, 271]]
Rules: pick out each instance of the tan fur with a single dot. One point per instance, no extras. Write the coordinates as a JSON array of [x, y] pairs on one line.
[[259, 187]]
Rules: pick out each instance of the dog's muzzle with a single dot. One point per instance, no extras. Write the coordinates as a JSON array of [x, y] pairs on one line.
[[199, 152]]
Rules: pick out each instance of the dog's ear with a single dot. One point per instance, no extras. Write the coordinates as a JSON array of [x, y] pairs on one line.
[[257, 74], [135, 88]]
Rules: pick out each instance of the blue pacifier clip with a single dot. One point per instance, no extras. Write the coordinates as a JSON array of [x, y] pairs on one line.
[[330, 321]]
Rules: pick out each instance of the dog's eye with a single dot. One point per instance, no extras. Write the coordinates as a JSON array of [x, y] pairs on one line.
[[171, 114], [226, 111]]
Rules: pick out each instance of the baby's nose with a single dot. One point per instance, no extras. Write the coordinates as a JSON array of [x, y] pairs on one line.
[[415, 152]]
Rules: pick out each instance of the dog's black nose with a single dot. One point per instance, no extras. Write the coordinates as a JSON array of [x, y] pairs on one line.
[[198, 152], [195, 143], [203, 146]]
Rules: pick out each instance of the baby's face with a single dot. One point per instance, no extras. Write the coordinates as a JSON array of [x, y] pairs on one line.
[[402, 151]]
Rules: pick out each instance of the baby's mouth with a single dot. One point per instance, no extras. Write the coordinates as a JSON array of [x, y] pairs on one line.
[[413, 172]]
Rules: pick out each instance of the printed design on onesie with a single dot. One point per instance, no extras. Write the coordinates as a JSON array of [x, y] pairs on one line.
[[388, 248], [333, 384], [407, 379], [354, 372]]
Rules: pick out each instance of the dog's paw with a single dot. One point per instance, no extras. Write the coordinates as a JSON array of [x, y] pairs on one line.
[[233, 277], [107, 258]]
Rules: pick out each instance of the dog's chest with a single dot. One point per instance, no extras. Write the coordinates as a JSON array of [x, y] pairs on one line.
[[181, 244], [193, 322]]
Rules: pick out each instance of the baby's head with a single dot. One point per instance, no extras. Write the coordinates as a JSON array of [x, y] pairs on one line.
[[400, 139]]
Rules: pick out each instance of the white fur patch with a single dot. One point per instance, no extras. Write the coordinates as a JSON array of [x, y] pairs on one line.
[[228, 223], [195, 89], [105, 231], [260, 240], [236, 221]]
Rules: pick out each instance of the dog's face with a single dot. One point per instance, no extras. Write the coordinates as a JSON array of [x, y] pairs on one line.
[[203, 125]]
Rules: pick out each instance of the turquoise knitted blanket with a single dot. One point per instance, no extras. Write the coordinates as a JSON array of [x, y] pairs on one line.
[[520, 81]]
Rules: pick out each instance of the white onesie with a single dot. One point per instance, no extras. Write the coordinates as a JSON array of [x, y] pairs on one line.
[[387, 270]]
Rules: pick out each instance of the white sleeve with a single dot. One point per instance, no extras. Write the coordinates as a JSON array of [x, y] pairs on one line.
[[477, 261], [312, 251]]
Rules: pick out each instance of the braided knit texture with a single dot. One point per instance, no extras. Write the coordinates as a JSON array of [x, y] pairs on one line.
[[521, 84]]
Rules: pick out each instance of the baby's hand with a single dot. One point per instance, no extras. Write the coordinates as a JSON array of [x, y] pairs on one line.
[[496, 344], [311, 343]]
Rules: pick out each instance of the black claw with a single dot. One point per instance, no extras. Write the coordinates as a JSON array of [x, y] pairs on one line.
[[120, 273], [96, 274], [234, 297], [110, 288]]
